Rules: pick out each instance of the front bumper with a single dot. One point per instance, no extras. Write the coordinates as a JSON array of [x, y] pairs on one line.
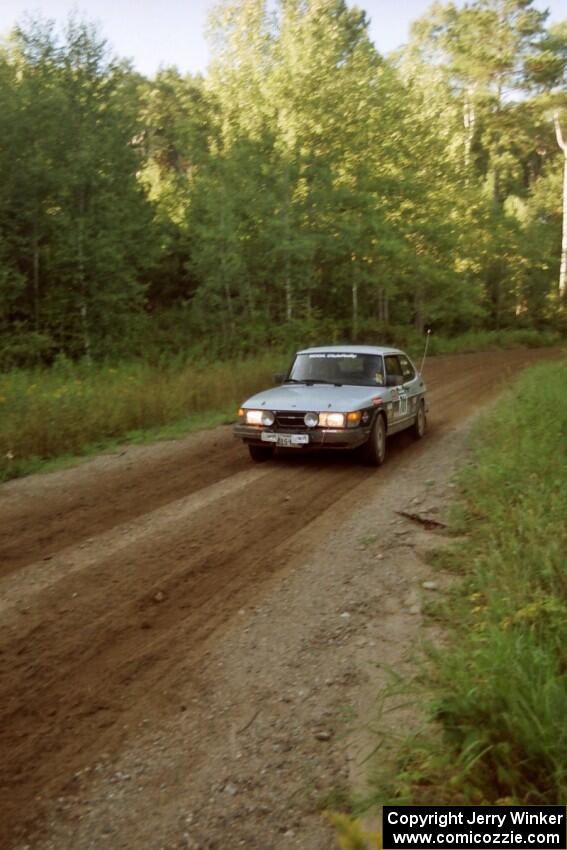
[[319, 438]]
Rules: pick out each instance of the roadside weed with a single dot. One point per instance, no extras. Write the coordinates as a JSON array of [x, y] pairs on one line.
[[75, 408], [497, 689], [350, 835]]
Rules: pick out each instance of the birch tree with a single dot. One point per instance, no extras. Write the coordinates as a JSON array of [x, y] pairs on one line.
[[562, 142]]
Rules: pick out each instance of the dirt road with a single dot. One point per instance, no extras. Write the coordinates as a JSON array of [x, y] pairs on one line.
[[126, 585]]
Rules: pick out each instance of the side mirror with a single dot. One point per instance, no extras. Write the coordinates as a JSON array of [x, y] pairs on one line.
[[279, 377]]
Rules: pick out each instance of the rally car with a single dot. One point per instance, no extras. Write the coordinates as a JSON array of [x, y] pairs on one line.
[[339, 397]]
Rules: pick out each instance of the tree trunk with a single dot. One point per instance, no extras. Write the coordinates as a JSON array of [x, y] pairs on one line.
[[225, 283], [287, 278], [496, 187], [81, 281], [497, 307], [35, 261], [354, 310], [418, 307], [469, 121], [563, 264], [383, 307], [288, 297], [380, 305], [250, 299], [228, 303], [85, 330]]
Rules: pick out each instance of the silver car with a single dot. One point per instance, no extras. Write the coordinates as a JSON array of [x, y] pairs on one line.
[[337, 397]]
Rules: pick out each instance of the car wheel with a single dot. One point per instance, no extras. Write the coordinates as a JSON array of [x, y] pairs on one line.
[[420, 424], [259, 454], [375, 448]]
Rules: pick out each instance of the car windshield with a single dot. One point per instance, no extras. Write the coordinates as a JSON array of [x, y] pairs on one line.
[[335, 367]]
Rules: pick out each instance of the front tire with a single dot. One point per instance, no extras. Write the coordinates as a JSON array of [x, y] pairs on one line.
[[420, 424], [260, 454], [375, 448]]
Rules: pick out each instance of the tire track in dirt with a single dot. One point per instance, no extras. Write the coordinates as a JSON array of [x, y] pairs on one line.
[[107, 492], [100, 644], [100, 647]]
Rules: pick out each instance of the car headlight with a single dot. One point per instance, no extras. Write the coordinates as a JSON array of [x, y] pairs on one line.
[[268, 418], [254, 417], [332, 420], [311, 420]]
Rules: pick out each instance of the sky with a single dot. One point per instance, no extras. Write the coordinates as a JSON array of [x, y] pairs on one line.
[[156, 33]]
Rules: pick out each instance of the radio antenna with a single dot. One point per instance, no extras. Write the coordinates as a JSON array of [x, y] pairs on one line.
[[425, 350]]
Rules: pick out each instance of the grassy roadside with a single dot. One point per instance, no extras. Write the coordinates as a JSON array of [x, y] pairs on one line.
[[491, 341], [497, 691], [49, 417]]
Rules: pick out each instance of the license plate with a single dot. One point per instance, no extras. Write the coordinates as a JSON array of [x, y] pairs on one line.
[[286, 440]]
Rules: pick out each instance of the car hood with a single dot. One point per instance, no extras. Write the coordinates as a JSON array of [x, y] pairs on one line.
[[317, 398]]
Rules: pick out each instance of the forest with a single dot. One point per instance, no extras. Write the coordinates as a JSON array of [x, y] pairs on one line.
[[305, 188]]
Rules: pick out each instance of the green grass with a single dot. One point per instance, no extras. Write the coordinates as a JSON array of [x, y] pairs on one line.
[[493, 340], [48, 417], [497, 692], [173, 431], [477, 340]]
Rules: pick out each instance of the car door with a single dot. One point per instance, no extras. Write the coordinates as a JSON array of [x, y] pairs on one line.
[[413, 386], [396, 402]]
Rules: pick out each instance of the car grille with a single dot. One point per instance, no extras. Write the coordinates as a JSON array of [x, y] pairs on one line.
[[290, 421]]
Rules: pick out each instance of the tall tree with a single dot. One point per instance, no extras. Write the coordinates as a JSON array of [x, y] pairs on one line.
[[562, 142], [175, 143], [487, 49], [80, 215]]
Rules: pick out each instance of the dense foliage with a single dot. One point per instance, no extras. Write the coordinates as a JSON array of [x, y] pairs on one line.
[[307, 187]]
